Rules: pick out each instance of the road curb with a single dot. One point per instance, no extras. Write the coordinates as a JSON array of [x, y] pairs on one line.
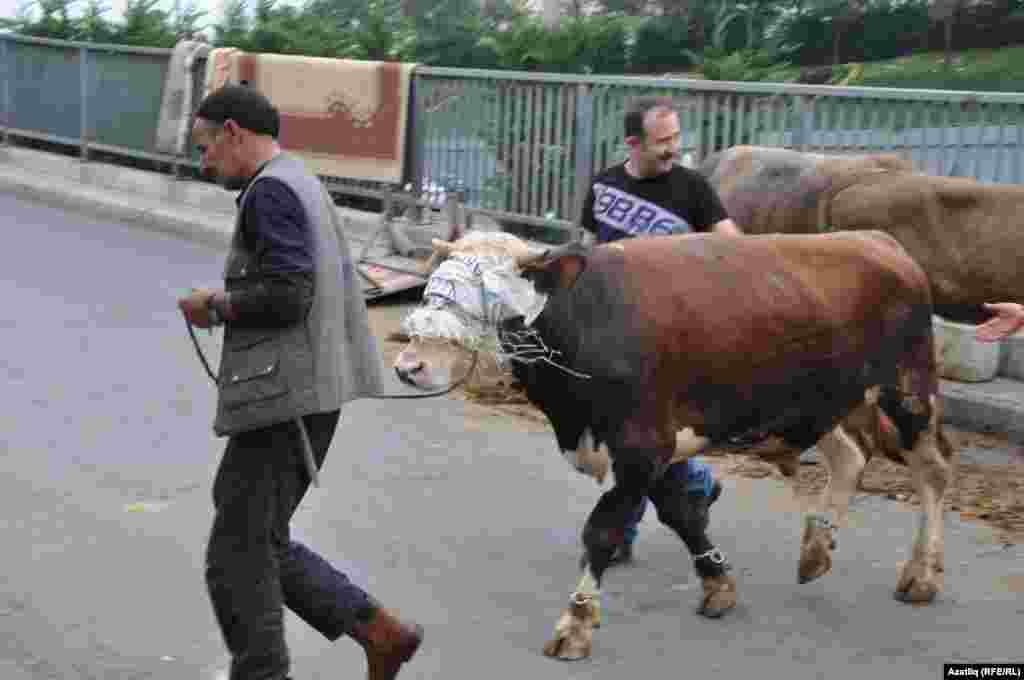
[[107, 205]]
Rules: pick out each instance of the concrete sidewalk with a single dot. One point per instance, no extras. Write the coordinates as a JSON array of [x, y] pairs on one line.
[[205, 213]]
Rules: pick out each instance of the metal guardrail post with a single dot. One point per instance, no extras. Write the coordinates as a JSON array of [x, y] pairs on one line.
[[83, 59], [452, 200], [583, 154], [7, 57], [804, 129], [418, 140]]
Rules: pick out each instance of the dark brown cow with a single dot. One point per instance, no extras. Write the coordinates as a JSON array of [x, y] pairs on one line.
[[810, 339], [962, 232]]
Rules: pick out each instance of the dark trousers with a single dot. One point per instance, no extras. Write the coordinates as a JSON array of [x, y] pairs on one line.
[[254, 569]]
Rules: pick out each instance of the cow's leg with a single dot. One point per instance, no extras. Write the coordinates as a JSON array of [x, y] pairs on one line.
[[677, 510], [844, 463], [931, 464], [603, 533]]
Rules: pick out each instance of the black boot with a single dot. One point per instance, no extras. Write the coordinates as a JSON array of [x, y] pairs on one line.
[[622, 555]]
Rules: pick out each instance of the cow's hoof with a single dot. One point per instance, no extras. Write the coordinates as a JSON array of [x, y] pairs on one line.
[[815, 552], [719, 596], [918, 584], [574, 631]]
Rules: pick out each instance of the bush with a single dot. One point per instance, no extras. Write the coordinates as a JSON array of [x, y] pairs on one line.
[[885, 31], [662, 45], [597, 44], [741, 65]]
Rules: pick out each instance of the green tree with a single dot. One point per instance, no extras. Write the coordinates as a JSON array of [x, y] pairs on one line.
[[54, 21], [144, 24], [841, 15], [663, 44], [233, 28], [22, 17], [186, 20], [595, 44], [946, 11], [92, 26], [381, 34], [272, 29], [447, 33]]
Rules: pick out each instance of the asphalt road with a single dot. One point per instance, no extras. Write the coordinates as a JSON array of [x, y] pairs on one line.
[[105, 469]]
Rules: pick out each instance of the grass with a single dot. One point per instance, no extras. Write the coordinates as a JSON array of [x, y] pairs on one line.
[[998, 70]]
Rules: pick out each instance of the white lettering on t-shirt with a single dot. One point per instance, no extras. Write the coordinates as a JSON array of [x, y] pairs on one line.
[[622, 210]]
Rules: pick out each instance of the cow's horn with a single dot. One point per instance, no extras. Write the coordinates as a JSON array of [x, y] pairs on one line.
[[529, 259], [442, 247]]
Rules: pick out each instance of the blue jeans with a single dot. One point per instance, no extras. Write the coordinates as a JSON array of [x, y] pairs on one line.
[[698, 483]]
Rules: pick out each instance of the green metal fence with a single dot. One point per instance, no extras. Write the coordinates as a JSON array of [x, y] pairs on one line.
[[541, 136], [526, 144], [96, 97]]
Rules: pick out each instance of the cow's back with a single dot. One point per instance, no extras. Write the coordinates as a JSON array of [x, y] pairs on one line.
[[753, 329], [715, 293], [775, 190], [962, 232]]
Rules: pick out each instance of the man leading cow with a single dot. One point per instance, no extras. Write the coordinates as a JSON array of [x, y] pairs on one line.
[[297, 346]]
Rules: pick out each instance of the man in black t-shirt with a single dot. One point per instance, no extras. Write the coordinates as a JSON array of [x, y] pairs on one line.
[[650, 195], [675, 202]]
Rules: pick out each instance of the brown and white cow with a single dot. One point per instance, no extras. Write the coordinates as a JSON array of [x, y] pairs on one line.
[[965, 234], [819, 339]]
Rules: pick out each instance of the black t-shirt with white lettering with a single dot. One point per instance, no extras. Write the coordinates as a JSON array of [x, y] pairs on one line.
[[680, 201]]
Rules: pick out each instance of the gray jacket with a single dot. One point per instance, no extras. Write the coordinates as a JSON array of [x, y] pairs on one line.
[[270, 375]]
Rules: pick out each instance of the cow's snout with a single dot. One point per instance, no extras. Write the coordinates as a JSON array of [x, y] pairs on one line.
[[405, 374], [406, 367]]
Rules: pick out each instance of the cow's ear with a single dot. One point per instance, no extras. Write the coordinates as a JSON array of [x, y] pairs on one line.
[[555, 268], [440, 252]]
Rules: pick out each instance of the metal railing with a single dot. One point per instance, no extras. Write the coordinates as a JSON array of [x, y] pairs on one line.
[[522, 146], [544, 134]]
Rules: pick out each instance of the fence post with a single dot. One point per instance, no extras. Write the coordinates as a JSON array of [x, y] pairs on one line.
[[1018, 134], [83, 59], [583, 153], [804, 130], [4, 55], [416, 152], [452, 201], [700, 143], [8, 57]]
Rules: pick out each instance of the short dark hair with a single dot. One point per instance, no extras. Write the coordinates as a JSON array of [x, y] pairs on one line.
[[243, 104], [638, 109]]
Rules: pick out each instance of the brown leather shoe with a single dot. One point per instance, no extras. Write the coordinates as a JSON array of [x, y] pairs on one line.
[[388, 643]]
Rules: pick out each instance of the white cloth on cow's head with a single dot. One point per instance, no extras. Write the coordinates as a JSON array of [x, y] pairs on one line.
[[485, 287], [434, 321], [466, 298], [516, 295]]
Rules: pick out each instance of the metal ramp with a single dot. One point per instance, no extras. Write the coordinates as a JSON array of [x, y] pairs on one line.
[[389, 249]]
